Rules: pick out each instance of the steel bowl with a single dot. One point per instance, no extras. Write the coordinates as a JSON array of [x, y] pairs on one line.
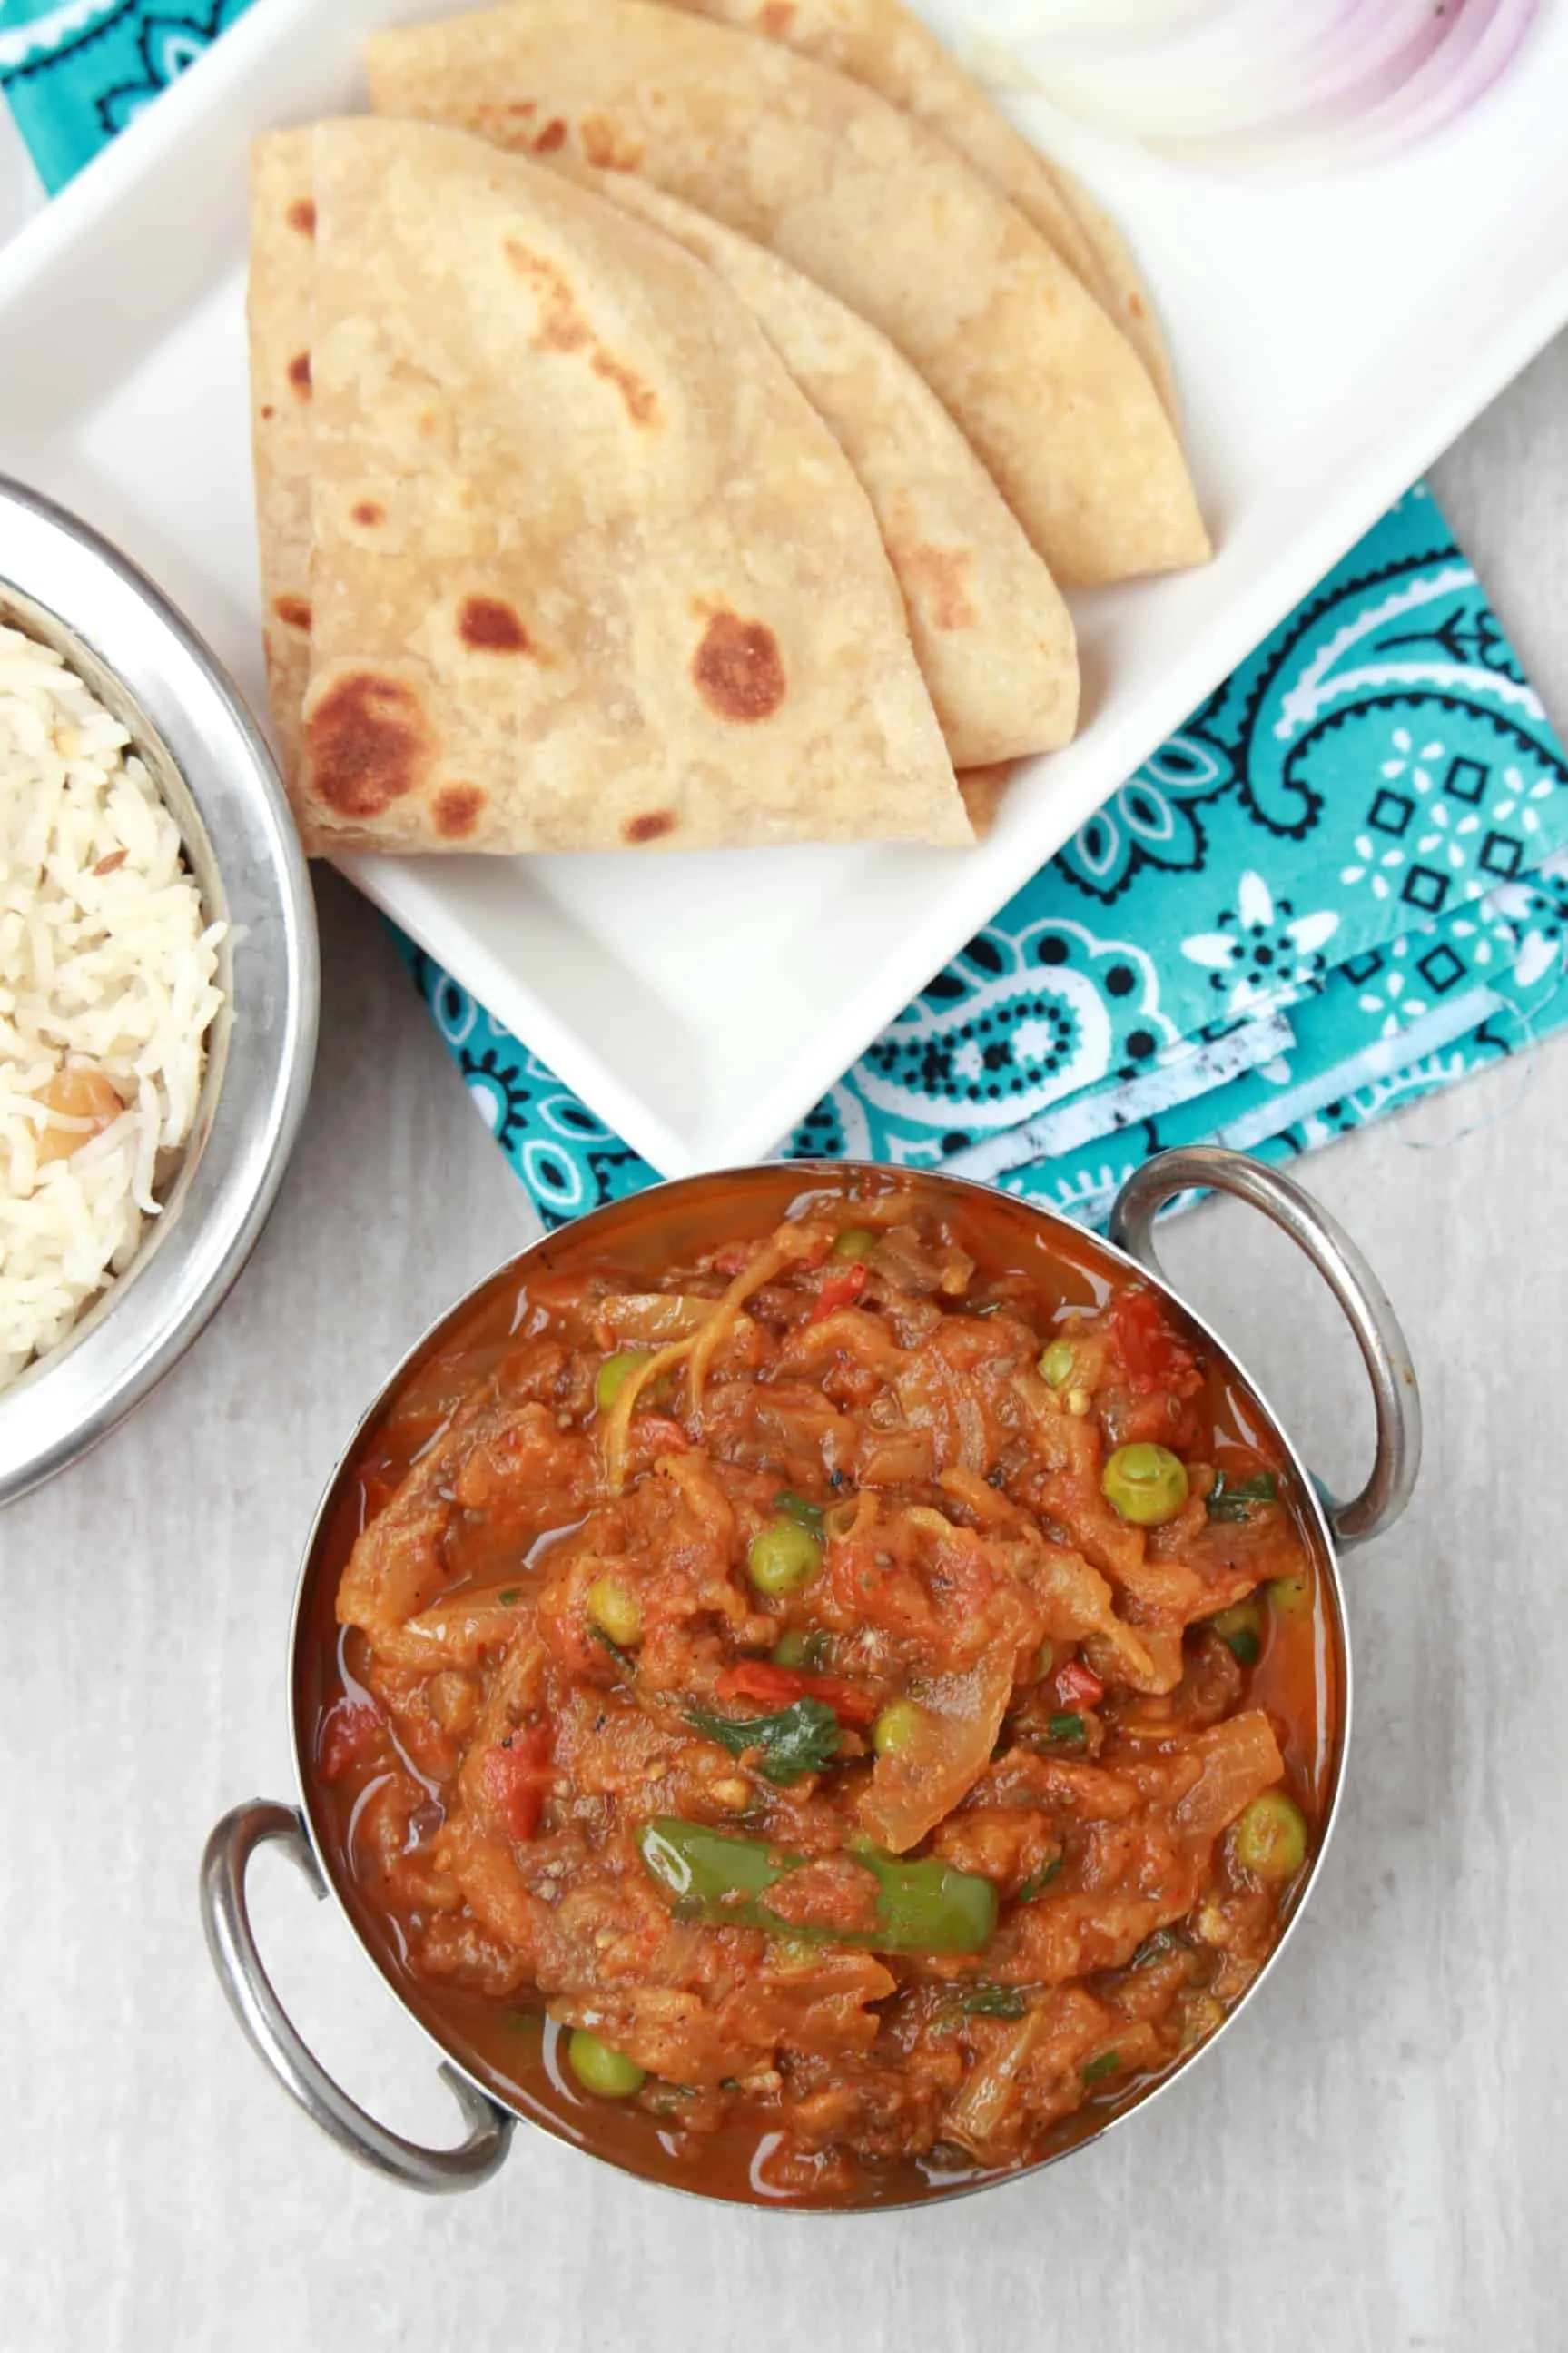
[[1328, 1526], [65, 586]]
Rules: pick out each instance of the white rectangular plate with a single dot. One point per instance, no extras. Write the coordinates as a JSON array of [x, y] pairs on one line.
[[1331, 336]]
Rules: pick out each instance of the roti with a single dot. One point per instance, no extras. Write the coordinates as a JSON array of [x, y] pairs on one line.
[[879, 43], [990, 633], [866, 201], [560, 599], [1117, 282], [283, 243]]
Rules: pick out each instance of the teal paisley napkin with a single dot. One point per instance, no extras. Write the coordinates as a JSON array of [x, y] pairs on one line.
[[1341, 886], [74, 73]]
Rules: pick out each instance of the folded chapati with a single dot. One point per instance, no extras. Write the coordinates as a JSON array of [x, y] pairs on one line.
[[990, 633], [870, 204], [1117, 283], [587, 571], [282, 253], [879, 43]]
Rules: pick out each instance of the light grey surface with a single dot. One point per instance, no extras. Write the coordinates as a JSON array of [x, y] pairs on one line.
[[20, 194], [1373, 2161]]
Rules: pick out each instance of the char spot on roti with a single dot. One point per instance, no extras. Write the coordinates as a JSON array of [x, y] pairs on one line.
[[641, 405], [456, 810], [738, 669], [649, 827], [490, 625], [301, 216], [293, 611], [367, 743], [300, 373], [606, 145], [776, 18], [563, 328], [369, 513], [554, 135], [939, 575]]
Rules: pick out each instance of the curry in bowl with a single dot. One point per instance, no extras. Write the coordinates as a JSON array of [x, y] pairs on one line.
[[824, 1696]]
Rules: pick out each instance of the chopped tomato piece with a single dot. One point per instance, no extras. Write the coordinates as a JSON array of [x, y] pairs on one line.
[[662, 1433], [1152, 1356], [514, 1777], [1077, 1685], [843, 1285], [770, 1686], [757, 1679], [350, 1731]]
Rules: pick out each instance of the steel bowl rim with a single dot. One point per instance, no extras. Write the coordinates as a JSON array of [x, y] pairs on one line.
[[814, 1174], [84, 598]]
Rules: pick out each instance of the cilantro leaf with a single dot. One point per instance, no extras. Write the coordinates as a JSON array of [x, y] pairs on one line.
[[1231, 1503], [801, 1738], [1038, 1881], [994, 2001], [796, 1508], [1163, 1940], [623, 1659], [1094, 2070]]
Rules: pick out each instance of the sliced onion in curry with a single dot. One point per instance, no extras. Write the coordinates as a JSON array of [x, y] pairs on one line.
[[913, 1788]]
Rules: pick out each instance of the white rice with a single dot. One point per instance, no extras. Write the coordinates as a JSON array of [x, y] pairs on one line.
[[106, 966]]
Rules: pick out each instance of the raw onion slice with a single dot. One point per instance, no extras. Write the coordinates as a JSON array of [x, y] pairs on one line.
[[1247, 83]]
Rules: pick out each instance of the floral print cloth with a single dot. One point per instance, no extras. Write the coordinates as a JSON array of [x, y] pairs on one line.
[[1342, 885]]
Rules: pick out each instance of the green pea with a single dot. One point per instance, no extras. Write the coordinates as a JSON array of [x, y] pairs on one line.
[[898, 1727], [856, 1242], [615, 1372], [796, 1648], [609, 2075], [781, 1557], [1241, 1628], [1144, 1484], [614, 1608], [1292, 1596], [1270, 1837], [1055, 1364]]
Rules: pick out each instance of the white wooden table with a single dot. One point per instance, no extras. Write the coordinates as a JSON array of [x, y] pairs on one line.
[[1374, 2160]]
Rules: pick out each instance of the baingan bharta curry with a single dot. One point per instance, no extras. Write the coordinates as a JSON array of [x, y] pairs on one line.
[[825, 1701]]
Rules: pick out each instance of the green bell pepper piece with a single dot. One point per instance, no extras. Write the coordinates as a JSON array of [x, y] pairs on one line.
[[925, 1906]]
